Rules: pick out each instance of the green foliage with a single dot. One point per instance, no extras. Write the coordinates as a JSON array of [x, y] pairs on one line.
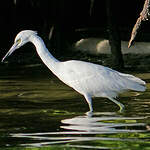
[[41, 148]]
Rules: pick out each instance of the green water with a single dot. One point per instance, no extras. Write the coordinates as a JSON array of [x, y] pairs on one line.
[[39, 112]]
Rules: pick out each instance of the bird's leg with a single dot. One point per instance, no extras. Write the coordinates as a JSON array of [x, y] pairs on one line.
[[89, 101], [118, 103]]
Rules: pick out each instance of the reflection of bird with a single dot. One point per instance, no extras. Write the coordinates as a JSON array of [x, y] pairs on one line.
[[88, 79], [102, 123]]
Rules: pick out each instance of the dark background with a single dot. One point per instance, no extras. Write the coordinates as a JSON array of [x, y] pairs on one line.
[[71, 19]]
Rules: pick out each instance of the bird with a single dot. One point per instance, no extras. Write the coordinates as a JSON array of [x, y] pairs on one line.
[[88, 79]]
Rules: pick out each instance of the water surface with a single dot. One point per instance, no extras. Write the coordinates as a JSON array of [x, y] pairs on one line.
[[39, 111]]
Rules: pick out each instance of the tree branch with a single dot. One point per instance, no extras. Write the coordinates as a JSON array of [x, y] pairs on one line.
[[144, 16]]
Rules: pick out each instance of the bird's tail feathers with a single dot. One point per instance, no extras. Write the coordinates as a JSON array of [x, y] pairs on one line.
[[133, 83]]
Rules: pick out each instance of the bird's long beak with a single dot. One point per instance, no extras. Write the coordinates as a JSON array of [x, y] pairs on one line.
[[12, 49]]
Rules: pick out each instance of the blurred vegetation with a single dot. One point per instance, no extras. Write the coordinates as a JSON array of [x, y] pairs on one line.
[[43, 148], [72, 20]]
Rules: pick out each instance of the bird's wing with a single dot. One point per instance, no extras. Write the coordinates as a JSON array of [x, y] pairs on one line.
[[96, 79], [88, 76]]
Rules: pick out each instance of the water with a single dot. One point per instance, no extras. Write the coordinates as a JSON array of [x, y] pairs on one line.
[[39, 112]]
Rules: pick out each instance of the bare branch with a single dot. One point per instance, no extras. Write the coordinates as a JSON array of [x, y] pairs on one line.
[[144, 16]]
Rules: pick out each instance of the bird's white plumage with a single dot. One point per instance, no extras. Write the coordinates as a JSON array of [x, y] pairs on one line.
[[97, 80], [90, 80]]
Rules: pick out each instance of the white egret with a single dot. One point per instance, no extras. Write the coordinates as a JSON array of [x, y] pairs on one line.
[[90, 80]]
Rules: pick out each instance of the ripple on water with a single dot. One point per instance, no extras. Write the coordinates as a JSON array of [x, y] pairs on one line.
[[103, 130]]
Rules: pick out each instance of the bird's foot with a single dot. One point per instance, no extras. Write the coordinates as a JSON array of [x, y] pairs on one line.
[[122, 108], [89, 113]]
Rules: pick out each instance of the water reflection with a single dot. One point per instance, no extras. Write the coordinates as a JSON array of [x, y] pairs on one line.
[[39, 111], [103, 124], [80, 129]]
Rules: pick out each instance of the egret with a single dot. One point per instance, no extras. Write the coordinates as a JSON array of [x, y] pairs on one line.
[[89, 79]]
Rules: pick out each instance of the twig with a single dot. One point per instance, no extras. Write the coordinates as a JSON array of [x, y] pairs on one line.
[[91, 6], [144, 16], [51, 32]]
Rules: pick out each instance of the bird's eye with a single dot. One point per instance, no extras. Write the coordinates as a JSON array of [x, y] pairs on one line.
[[18, 41]]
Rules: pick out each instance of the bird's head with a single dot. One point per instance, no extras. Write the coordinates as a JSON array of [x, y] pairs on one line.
[[22, 38]]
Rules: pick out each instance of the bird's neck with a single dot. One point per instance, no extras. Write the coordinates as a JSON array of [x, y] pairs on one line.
[[50, 61]]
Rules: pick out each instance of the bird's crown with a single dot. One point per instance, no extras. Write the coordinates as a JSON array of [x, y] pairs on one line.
[[25, 34]]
